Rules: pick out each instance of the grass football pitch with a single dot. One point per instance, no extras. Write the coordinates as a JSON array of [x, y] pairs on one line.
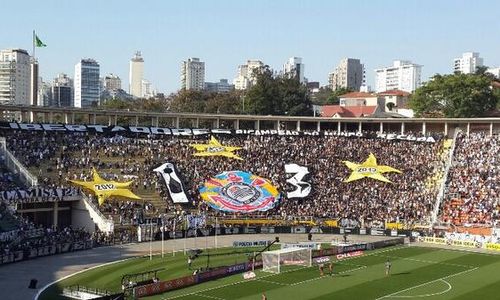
[[417, 273]]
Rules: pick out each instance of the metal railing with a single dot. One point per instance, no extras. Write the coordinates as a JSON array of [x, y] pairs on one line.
[[444, 183], [17, 167]]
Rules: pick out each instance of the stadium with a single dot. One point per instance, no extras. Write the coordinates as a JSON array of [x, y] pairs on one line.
[[100, 204]]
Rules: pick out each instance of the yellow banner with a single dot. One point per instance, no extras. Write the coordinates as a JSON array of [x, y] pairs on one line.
[[492, 246], [392, 225], [369, 168], [434, 240], [332, 223], [104, 189], [468, 244], [215, 148]]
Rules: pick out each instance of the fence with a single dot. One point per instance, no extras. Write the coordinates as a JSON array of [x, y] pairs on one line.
[[16, 167]]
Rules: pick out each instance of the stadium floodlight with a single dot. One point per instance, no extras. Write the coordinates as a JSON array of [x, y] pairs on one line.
[[272, 260]]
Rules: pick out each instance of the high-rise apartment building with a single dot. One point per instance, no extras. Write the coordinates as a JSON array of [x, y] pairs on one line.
[[246, 74], [15, 77], [62, 91], [112, 82], [350, 74], [193, 74], [136, 74], [294, 68], [87, 89], [402, 75], [222, 86], [468, 63]]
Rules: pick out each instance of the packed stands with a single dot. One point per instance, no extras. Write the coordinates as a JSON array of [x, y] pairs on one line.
[[61, 157], [473, 182]]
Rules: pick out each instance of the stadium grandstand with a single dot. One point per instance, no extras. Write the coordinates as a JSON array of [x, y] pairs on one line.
[[66, 187]]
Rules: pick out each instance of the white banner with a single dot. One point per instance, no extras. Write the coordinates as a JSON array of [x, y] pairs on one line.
[[37, 194], [173, 183], [302, 188]]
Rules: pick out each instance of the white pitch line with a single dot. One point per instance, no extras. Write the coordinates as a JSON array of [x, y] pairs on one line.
[[210, 297], [274, 282], [426, 283], [265, 276], [426, 261], [322, 277], [428, 295]]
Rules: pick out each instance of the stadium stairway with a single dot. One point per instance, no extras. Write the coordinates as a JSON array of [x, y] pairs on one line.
[[450, 147]]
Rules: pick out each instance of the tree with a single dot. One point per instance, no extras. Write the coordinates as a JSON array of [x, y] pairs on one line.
[[117, 104], [188, 101], [333, 99], [262, 97], [321, 96], [277, 95], [224, 103], [454, 96]]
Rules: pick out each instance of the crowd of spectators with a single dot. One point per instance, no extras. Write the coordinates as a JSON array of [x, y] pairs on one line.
[[474, 181], [364, 202]]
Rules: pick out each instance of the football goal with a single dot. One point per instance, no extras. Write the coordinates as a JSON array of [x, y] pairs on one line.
[[273, 260]]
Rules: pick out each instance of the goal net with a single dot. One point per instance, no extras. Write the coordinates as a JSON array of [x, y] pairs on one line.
[[273, 260]]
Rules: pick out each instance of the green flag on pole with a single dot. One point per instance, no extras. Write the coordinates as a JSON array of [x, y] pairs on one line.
[[38, 42]]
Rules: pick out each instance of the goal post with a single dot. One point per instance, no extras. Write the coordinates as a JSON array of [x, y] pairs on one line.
[[273, 260]]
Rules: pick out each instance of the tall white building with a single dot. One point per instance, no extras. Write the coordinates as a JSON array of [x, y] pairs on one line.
[[15, 77], [246, 74], [87, 83], [350, 73], [468, 63], [402, 75], [294, 68], [136, 74], [193, 74]]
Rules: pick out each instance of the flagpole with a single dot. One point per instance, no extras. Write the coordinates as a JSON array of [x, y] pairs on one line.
[[151, 240], [162, 238], [185, 234], [173, 247], [215, 233], [33, 42]]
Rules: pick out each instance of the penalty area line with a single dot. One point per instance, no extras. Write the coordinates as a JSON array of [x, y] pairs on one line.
[[425, 283]]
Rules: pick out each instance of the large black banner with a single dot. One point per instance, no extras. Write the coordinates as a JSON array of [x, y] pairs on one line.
[[199, 131]]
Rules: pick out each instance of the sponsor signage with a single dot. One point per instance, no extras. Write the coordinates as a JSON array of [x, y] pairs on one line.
[[163, 286], [37, 194], [251, 243], [375, 231], [351, 248], [249, 275], [321, 259], [68, 128], [300, 245], [349, 254], [492, 246]]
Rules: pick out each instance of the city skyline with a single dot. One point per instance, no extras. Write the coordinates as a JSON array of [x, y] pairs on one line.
[[427, 33]]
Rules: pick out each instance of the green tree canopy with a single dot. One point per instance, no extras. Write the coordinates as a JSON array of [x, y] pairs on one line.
[[277, 95], [454, 96]]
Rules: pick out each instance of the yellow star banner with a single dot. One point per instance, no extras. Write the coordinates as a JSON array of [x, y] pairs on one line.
[[104, 189], [369, 168], [214, 148]]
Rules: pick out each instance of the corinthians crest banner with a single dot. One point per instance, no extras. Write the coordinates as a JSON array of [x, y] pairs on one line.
[[237, 191]]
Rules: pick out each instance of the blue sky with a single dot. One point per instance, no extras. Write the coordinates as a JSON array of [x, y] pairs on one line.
[[226, 33]]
